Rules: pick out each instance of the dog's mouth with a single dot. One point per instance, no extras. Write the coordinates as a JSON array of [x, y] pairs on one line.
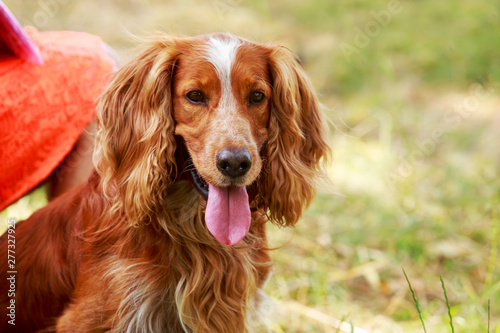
[[227, 211], [199, 183]]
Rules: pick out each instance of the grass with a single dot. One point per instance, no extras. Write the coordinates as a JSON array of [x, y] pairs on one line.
[[415, 136], [416, 301], [448, 306]]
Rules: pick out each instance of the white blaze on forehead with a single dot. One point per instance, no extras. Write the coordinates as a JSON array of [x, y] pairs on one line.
[[221, 52]]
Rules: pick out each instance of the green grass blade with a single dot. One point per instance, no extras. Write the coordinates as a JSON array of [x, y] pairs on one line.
[[488, 316], [447, 304], [414, 300]]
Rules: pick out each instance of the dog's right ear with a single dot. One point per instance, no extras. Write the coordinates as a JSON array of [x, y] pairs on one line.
[[135, 144]]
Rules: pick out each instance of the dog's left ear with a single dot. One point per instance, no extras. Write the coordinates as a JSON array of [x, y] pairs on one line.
[[135, 144], [298, 135]]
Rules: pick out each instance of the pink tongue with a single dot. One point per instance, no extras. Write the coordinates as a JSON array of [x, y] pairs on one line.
[[228, 213]]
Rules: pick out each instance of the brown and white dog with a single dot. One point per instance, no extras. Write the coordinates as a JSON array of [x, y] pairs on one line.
[[200, 142]]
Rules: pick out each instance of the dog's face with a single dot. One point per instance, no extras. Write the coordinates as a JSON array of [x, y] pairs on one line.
[[246, 114], [221, 106]]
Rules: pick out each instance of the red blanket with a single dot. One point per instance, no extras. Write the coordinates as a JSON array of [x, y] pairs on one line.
[[44, 109]]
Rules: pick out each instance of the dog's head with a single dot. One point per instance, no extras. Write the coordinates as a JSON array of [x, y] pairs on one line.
[[242, 116]]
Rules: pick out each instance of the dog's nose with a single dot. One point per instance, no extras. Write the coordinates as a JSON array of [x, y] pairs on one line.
[[234, 162]]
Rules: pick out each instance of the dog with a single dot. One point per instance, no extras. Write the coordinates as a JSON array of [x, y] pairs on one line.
[[200, 141]]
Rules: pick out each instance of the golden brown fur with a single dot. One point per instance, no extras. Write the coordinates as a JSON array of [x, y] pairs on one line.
[[129, 250]]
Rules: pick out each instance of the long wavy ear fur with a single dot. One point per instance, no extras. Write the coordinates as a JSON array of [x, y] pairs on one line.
[[298, 135], [135, 144]]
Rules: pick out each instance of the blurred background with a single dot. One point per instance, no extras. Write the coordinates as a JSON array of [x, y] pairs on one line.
[[412, 90]]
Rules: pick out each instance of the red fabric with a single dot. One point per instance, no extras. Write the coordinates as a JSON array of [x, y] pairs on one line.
[[44, 109]]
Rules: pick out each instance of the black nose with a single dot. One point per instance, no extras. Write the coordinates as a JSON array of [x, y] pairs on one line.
[[234, 162]]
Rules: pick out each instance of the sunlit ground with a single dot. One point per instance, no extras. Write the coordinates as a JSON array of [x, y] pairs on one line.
[[412, 90]]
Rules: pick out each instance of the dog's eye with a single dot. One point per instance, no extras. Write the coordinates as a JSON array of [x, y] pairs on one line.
[[195, 96], [256, 97]]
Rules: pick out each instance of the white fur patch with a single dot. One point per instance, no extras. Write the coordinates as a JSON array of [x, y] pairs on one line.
[[221, 54]]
